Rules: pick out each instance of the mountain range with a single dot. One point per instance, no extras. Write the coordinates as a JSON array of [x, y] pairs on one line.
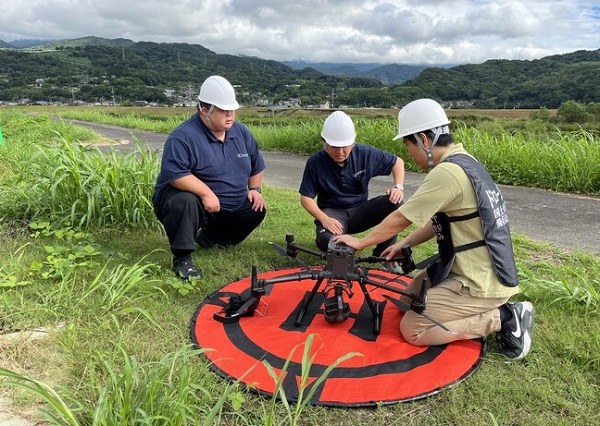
[[385, 73], [93, 68]]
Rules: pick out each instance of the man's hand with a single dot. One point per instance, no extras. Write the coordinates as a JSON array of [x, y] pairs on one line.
[[349, 240], [395, 195], [333, 225], [392, 251], [257, 200], [211, 203]]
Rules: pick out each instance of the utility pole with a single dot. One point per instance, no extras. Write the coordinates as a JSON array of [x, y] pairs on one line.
[[332, 96]]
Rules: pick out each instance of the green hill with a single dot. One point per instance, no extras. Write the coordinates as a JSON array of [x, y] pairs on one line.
[[94, 69], [90, 41], [545, 82]]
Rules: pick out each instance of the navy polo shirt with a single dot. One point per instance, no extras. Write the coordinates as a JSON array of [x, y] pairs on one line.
[[348, 186], [223, 166]]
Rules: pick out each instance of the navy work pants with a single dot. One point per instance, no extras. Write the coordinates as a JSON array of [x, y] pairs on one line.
[[183, 215]]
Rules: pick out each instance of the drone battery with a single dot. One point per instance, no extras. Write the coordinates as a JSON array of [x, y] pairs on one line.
[[340, 259]]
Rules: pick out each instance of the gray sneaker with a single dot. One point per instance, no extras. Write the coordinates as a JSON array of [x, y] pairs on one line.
[[514, 337]]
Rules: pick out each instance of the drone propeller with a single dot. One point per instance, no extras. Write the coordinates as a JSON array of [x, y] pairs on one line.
[[405, 307]]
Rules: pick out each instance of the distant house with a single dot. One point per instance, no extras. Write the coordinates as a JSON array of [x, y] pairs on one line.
[[290, 103]]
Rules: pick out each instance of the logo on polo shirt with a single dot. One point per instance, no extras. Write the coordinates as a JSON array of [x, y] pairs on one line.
[[359, 174], [242, 156]]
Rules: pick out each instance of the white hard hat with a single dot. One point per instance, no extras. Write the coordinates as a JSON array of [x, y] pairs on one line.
[[338, 130], [218, 92], [420, 115]]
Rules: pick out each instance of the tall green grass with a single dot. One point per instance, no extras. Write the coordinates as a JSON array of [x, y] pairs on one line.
[[59, 176], [517, 152], [568, 162]]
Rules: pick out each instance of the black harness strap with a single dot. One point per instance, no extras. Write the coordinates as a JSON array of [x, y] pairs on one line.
[[425, 263]]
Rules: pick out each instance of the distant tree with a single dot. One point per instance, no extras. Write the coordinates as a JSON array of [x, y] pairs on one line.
[[572, 112], [542, 114]]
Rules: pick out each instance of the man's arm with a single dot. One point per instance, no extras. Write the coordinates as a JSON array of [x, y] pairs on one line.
[[255, 196], [256, 180], [425, 233], [394, 223], [396, 194], [191, 183], [398, 171]]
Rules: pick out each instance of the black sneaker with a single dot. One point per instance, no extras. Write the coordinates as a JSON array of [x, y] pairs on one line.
[[514, 337], [184, 268]]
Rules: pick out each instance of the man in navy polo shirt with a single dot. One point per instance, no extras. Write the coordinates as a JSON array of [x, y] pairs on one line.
[[339, 175], [208, 190]]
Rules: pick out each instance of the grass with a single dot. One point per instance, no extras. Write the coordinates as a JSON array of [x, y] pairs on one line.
[[516, 150], [117, 347]]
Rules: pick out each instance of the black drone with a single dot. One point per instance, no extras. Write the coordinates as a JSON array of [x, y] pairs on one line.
[[340, 272]]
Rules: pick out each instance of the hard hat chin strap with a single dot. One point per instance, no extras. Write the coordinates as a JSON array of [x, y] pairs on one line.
[[209, 113], [437, 132], [427, 151]]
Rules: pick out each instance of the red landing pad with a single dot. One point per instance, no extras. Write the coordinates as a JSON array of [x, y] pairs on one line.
[[389, 370]]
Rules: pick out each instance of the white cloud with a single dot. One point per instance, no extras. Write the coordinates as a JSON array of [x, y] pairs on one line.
[[392, 31]]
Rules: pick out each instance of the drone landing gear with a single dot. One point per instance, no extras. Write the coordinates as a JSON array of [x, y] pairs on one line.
[[335, 308]]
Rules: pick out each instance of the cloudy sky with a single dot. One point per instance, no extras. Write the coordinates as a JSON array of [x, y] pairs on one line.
[[392, 31]]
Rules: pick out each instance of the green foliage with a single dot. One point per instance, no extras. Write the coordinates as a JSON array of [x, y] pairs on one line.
[[572, 112], [10, 280], [294, 415], [63, 259], [60, 415], [568, 162], [543, 114], [100, 72], [499, 83], [85, 186], [579, 113], [124, 356]]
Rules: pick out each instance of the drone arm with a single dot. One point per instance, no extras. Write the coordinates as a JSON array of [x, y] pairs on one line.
[[409, 294], [296, 248], [293, 248], [405, 259], [303, 275]]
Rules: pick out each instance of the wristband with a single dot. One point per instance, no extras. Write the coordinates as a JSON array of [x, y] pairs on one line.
[[256, 188]]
